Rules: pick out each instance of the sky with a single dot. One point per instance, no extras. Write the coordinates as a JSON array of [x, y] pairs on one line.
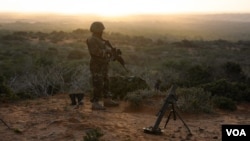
[[125, 7]]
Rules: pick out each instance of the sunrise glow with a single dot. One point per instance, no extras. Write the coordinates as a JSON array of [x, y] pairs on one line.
[[125, 7]]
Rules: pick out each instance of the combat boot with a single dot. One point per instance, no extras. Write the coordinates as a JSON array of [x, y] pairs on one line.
[[97, 106], [108, 102]]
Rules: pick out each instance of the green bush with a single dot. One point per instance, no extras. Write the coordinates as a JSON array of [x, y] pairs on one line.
[[6, 94], [246, 95], [233, 71], [76, 54], [120, 86], [136, 98], [93, 135], [224, 103], [44, 60], [197, 75], [235, 90], [194, 100], [25, 95]]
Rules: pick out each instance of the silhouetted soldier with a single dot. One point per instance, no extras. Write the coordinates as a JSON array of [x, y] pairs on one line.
[[100, 57]]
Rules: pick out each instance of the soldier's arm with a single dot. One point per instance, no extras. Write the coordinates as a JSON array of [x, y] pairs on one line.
[[95, 49]]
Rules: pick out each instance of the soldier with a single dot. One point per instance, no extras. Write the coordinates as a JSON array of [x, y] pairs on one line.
[[100, 57]]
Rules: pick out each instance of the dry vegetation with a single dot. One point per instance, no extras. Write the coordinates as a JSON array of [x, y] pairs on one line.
[[40, 67], [52, 119]]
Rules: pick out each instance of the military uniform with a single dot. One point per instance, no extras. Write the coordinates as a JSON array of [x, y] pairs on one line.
[[100, 57], [98, 67]]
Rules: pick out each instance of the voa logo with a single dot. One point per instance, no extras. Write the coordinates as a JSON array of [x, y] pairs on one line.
[[236, 132]]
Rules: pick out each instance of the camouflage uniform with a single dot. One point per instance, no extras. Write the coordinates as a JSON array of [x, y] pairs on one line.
[[100, 57], [98, 67]]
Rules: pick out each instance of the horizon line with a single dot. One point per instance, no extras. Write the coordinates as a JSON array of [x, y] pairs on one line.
[[123, 15]]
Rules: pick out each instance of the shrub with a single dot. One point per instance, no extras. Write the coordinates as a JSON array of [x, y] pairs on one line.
[[120, 86], [25, 95], [76, 54], [197, 75], [232, 68], [6, 93], [79, 79], [246, 95], [224, 103], [93, 135], [44, 61], [136, 98], [233, 71], [41, 82], [194, 100], [234, 90]]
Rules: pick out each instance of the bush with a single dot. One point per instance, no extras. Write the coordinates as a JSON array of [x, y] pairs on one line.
[[93, 135], [6, 94], [197, 75], [136, 98], [41, 82], [232, 68], [76, 54], [233, 71], [25, 95], [233, 90], [224, 103], [120, 86], [194, 100]]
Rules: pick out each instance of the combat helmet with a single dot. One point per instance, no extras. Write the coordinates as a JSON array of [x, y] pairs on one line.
[[97, 27]]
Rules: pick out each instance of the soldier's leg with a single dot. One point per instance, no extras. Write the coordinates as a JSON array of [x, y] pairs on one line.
[[97, 87], [95, 69], [105, 80], [106, 93], [108, 102], [97, 92]]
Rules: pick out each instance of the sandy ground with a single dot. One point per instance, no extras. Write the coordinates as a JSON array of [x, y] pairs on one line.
[[53, 119]]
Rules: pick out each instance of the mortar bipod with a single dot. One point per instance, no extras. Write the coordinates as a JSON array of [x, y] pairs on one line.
[[174, 112], [170, 99]]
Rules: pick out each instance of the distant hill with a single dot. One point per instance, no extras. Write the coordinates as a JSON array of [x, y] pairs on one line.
[[172, 27]]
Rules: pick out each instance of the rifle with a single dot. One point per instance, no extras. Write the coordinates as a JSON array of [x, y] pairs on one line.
[[116, 54]]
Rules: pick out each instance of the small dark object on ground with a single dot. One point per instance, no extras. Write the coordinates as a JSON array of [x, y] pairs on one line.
[[76, 98]]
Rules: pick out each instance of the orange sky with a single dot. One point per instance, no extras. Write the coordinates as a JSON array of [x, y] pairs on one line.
[[125, 7]]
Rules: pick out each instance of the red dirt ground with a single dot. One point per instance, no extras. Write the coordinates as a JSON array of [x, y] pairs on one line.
[[53, 119]]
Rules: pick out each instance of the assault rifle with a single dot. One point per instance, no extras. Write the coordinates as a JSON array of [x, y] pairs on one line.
[[116, 54]]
